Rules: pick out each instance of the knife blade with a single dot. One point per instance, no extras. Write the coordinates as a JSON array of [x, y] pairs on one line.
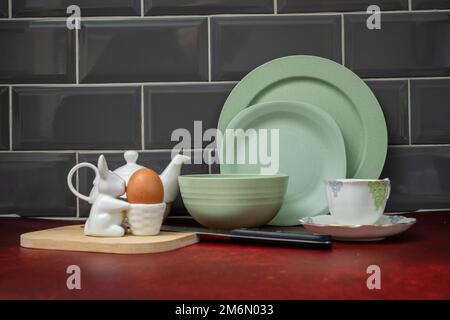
[[259, 237]]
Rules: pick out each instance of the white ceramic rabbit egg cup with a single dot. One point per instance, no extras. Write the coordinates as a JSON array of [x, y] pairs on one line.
[[108, 212], [146, 219]]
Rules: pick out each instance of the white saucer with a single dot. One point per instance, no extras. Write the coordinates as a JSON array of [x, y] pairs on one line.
[[386, 226]]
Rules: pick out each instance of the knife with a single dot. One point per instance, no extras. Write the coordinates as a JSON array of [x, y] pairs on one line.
[[259, 237]]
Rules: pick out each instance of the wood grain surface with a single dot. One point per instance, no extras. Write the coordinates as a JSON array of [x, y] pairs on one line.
[[72, 238]]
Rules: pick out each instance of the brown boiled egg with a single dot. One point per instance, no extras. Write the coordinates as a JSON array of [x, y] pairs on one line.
[[145, 187]]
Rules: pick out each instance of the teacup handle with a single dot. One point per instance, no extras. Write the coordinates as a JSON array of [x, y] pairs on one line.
[[388, 189], [69, 179]]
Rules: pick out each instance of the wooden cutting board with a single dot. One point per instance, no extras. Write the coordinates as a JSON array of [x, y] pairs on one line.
[[72, 238]]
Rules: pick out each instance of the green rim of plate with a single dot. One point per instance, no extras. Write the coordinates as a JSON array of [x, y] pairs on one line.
[[311, 150], [329, 86]]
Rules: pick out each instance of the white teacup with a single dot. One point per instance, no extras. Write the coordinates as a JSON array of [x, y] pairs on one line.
[[357, 201], [146, 219]]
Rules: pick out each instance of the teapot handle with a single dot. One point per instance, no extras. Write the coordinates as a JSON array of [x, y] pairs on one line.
[[69, 179]]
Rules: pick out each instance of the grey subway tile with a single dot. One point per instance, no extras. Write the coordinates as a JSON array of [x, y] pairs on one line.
[[393, 98], [4, 9], [35, 51], [4, 118], [408, 44], [180, 7], [239, 44], [58, 8], [34, 184], [430, 111], [76, 118], [430, 4], [285, 6], [168, 108], [419, 178], [214, 165], [143, 50], [155, 160]]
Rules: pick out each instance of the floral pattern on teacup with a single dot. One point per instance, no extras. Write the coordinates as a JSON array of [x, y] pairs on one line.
[[335, 186], [378, 191]]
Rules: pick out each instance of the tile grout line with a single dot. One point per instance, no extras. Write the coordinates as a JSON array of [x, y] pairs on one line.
[[409, 111], [96, 151], [62, 218], [407, 78], [209, 49], [77, 186], [77, 55], [66, 218], [142, 119], [431, 145], [209, 161], [275, 6], [119, 84], [188, 83], [342, 39], [150, 151], [10, 119], [293, 14]]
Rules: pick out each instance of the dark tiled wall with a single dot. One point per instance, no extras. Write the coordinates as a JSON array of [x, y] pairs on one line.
[[36, 52], [33, 184], [408, 45], [4, 118], [430, 4], [285, 6], [419, 177], [50, 118], [3, 8], [58, 8], [167, 108], [132, 74], [236, 42], [393, 98], [430, 111], [183, 7], [144, 50]]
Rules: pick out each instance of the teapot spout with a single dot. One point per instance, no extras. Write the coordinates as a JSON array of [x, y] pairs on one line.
[[169, 177]]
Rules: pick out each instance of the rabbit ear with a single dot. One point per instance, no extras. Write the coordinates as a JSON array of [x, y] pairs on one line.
[[102, 167]]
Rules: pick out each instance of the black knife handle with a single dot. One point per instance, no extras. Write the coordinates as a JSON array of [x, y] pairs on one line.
[[283, 238]]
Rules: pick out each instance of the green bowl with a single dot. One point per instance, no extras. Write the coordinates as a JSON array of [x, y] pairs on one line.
[[230, 201]]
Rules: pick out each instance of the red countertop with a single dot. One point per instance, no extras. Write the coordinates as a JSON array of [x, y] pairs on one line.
[[414, 265]]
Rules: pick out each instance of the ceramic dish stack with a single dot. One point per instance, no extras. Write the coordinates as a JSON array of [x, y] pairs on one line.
[[329, 123]]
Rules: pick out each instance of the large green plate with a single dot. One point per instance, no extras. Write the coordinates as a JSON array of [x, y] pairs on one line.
[[310, 150], [329, 86]]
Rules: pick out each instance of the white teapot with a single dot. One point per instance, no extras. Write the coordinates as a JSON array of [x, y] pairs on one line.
[[169, 177]]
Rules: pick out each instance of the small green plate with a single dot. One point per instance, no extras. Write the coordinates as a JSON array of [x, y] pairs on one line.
[[311, 150], [332, 88]]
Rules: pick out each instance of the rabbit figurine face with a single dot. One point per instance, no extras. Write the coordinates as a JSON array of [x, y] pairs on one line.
[[108, 182], [106, 215]]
